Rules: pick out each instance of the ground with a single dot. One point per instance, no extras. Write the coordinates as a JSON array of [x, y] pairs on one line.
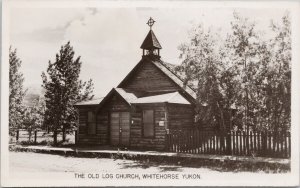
[[43, 137], [39, 166], [24, 162]]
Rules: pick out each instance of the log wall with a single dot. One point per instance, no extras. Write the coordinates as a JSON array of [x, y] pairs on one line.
[[102, 121], [83, 137], [149, 79], [137, 140], [180, 116]]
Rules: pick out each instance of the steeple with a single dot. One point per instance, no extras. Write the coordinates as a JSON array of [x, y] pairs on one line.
[[151, 45]]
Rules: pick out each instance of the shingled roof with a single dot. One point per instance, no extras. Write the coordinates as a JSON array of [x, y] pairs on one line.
[[174, 76], [150, 42], [95, 101], [180, 74], [167, 69], [174, 97]]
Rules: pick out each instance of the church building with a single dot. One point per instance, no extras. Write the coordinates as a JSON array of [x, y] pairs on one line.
[[149, 102]]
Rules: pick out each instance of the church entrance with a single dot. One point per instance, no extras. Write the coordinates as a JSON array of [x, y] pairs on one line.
[[119, 128]]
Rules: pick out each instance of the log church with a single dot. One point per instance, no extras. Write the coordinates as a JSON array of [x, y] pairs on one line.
[[149, 102]]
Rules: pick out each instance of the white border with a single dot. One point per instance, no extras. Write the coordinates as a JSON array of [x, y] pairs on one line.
[[291, 179]]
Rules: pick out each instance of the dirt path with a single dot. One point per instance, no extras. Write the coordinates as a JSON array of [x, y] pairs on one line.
[[24, 166], [22, 162]]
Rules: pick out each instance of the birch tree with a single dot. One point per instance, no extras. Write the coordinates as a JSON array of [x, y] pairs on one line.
[[16, 92], [245, 72], [277, 81], [201, 65]]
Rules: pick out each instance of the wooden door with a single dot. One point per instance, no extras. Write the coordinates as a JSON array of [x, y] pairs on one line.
[[119, 128], [114, 128]]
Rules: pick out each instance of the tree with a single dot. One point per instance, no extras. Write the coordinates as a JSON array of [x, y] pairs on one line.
[[277, 84], [245, 72], [33, 117], [264, 66], [245, 48], [201, 64], [63, 89], [16, 92]]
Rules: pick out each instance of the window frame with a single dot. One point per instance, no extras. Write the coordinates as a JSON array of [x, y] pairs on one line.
[[143, 124], [89, 122]]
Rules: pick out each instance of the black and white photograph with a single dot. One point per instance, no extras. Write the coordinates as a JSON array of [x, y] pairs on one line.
[[150, 93]]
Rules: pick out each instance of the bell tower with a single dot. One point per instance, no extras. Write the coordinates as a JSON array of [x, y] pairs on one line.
[[151, 45]]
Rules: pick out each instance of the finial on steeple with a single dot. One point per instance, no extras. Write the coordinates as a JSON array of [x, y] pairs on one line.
[[150, 23], [151, 45]]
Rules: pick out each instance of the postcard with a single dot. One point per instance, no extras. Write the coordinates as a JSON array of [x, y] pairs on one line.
[[150, 93]]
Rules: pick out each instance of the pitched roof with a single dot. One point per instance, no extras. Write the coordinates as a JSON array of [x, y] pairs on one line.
[[174, 76], [90, 102], [174, 97], [129, 97], [192, 84], [168, 69], [151, 41]]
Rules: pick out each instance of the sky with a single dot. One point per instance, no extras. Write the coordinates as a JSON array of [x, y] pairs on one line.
[[108, 39]]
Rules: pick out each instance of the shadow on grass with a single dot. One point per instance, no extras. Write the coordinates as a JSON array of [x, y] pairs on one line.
[[146, 165], [177, 163], [165, 164], [61, 143], [135, 164]]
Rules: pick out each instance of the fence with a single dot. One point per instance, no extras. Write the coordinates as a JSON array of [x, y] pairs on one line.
[[264, 144], [39, 136]]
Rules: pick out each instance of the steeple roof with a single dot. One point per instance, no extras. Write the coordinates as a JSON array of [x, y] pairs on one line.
[[151, 42]]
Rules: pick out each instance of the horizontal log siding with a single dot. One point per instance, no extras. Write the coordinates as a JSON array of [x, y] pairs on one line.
[[136, 138], [180, 116], [102, 122], [83, 137], [115, 103], [149, 79], [103, 126]]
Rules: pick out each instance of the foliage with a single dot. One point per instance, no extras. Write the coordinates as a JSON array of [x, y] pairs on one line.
[[33, 117], [63, 89], [201, 65], [243, 45], [16, 92], [277, 85], [244, 72]]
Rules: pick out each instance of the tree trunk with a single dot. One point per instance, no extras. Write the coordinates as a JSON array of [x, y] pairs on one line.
[[55, 137], [29, 136], [224, 131], [64, 134], [35, 136], [17, 136]]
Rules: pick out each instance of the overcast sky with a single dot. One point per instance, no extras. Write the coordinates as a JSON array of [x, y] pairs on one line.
[[108, 39]]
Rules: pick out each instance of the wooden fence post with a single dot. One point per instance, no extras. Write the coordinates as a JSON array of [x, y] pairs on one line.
[[167, 141], [228, 143], [35, 135], [261, 144]]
